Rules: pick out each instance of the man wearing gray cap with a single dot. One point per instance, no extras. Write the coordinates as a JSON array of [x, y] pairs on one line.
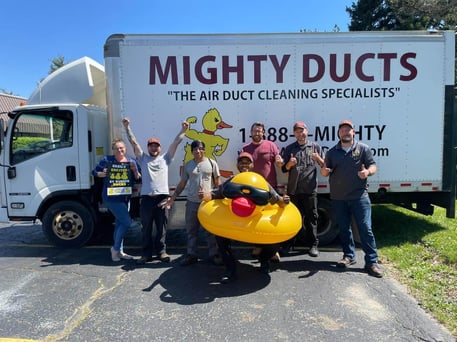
[[349, 164]]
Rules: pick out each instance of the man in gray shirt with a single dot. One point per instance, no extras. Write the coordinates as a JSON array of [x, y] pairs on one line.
[[154, 190], [201, 175]]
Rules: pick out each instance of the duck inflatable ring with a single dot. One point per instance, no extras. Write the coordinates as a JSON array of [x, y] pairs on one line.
[[245, 214]]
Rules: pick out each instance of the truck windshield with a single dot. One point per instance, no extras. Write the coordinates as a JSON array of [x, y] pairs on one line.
[[34, 134]]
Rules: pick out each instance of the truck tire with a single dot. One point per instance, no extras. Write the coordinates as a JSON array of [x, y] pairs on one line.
[[68, 224], [327, 229]]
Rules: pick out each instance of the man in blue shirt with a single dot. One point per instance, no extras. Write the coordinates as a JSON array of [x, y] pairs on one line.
[[349, 164]]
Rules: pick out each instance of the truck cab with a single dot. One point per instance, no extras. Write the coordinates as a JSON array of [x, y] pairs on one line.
[[50, 146]]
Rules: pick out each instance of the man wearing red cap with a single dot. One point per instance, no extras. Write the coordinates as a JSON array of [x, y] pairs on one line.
[[349, 164], [300, 162], [154, 190]]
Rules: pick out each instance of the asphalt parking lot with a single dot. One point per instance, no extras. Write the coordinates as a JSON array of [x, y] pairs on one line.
[[53, 294]]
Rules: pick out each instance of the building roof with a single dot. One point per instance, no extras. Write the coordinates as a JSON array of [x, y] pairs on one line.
[[8, 103]]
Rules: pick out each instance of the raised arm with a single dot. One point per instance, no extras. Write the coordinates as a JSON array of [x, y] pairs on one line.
[[178, 139], [131, 137]]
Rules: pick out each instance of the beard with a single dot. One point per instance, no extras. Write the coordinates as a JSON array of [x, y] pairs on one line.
[[346, 139], [257, 138]]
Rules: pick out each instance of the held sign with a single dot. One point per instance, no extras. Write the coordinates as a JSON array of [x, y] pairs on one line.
[[118, 179]]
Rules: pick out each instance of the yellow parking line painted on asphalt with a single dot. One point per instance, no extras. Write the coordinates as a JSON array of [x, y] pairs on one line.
[[6, 339]]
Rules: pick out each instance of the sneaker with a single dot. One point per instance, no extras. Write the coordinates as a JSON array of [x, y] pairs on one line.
[[115, 256], [374, 270], [256, 252], [345, 262], [189, 260], [275, 258], [313, 251], [164, 257], [125, 256], [216, 260], [143, 260]]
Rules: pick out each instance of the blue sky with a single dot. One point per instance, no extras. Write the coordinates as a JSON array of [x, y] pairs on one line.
[[35, 32]]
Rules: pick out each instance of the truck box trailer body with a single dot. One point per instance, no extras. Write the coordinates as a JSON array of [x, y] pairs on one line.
[[396, 87]]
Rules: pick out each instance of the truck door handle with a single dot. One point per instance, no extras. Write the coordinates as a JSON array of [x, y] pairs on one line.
[[71, 173], [11, 172]]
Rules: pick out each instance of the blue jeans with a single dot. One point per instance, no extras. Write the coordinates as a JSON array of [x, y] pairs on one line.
[[360, 209], [122, 222]]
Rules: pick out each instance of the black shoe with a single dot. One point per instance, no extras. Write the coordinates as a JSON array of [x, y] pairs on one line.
[[313, 251], [284, 251], [228, 278], [189, 260], [264, 267], [216, 260], [143, 260]]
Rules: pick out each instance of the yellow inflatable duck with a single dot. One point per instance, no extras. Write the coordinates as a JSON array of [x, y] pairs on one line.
[[245, 213]]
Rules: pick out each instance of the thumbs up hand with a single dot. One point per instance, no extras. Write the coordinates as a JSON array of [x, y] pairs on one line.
[[364, 172], [292, 160]]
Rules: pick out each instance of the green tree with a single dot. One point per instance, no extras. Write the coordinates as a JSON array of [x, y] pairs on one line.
[[372, 15], [379, 15], [56, 63], [430, 14]]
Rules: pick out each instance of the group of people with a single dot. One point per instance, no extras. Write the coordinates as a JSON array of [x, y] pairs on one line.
[[348, 165]]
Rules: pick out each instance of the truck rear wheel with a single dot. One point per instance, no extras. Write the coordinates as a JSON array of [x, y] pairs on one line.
[[327, 229], [68, 224]]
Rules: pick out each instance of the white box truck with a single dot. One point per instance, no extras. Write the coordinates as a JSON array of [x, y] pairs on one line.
[[396, 87]]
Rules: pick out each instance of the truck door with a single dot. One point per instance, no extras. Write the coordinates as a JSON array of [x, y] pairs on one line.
[[43, 159]]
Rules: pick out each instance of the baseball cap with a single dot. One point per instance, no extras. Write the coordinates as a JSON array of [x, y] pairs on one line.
[[345, 122], [245, 155], [300, 124], [153, 141]]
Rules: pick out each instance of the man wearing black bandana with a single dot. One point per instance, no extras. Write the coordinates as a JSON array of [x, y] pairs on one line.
[[245, 163]]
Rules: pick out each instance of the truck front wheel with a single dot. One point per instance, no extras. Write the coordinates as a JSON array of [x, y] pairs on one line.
[[68, 224]]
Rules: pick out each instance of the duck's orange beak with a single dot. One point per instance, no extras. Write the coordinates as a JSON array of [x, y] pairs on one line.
[[223, 124]]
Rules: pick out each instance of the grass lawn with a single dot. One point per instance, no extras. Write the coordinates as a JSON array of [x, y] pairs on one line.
[[421, 252]]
